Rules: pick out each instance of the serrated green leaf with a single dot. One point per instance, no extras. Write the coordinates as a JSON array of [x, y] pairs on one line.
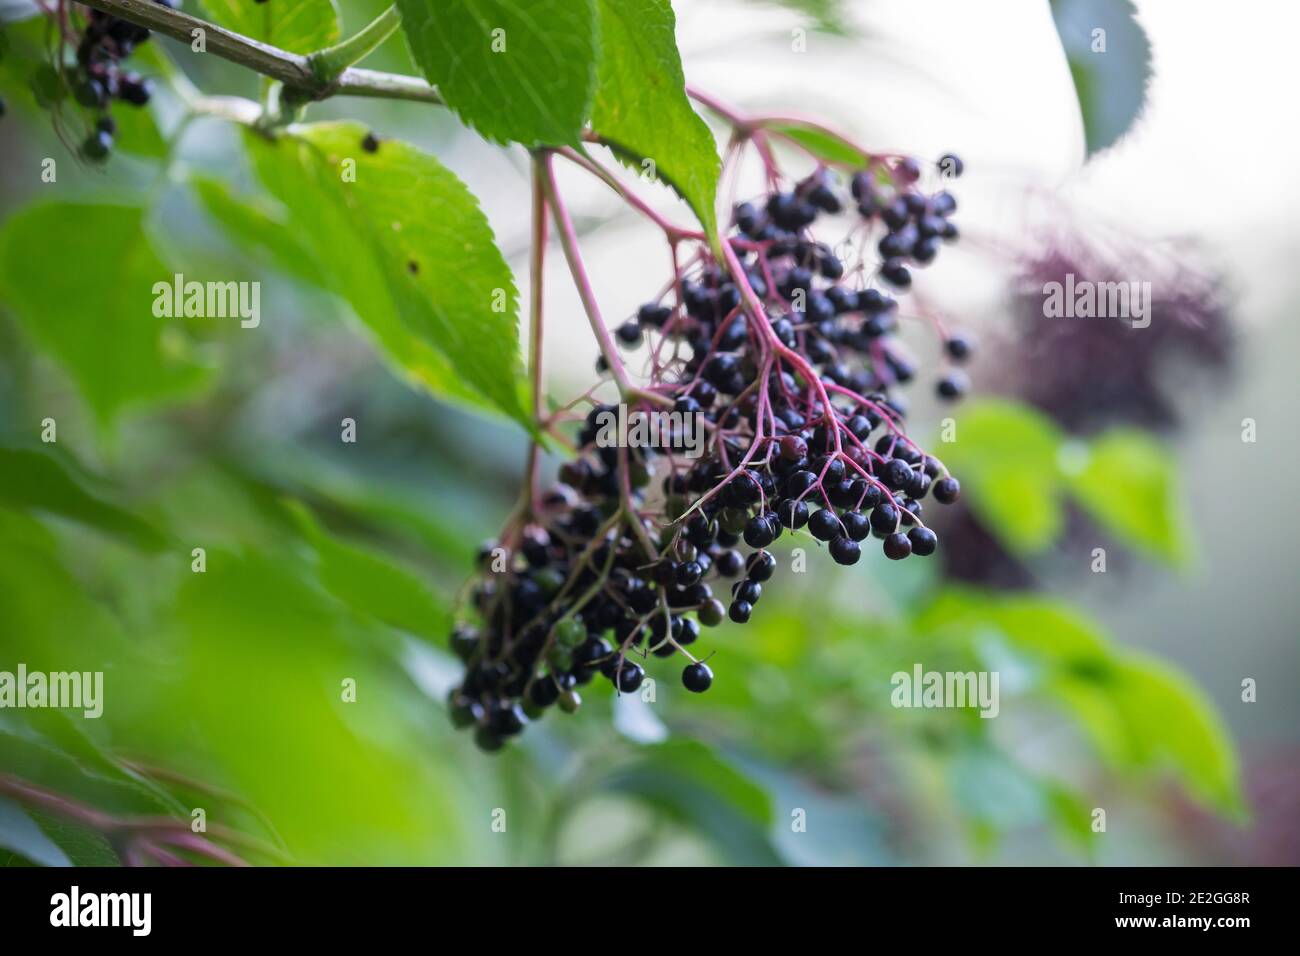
[[516, 72], [83, 846], [641, 106], [1006, 456], [420, 266], [1111, 83], [91, 306], [1130, 487], [299, 26]]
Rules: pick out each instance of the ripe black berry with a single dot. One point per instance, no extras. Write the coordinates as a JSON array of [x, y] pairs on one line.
[[824, 524], [959, 346], [747, 590], [629, 676], [856, 525], [760, 566], [953, 385], [845, 550], [629, 333], [97, 145], [544, 692], [946, 490], [506, 720], [729, 563], [923, 541], [758, 532], [884, 518], [711, 613], [897, 546], [793, 514], [688, 573], [697, 678], [739, 611]]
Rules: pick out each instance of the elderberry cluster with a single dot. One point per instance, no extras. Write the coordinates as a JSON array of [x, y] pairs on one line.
[[99, 77], [785, 354]]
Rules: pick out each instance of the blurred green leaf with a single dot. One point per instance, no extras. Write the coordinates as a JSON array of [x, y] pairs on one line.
[[299, 26], [1070, 815], [1110, 60], [1129, 486], [98, 782], [20, 834], [96, 319], [641, 107], [515, 72], [1138, 713], [827, 16], [137, 132], [689, 783], [32, 480], [84, 847], [420, 268], [825, 145], [1145, 715], [257, 226], [1006, 456], [260, 680], [374, 584]]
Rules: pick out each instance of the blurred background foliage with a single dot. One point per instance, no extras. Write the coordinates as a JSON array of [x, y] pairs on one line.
[[329, 562]]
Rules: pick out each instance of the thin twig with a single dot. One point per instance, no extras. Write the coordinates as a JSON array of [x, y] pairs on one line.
[[292, 69]]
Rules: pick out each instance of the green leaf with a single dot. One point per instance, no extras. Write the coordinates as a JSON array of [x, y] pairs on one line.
[[20, 834], [83, 846], [516, 72], [1111, 83], [1129, 486], [827, 16], [641, 108], [1006, 457], [91, 306], [32, 480], [258, 228], [1138, 713], [299, 26], [824, 144], [409, 249], [372, 583], [1171, 723], [688, 782]]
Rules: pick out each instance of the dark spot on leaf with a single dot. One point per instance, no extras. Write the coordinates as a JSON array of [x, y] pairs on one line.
[[371, 143], [413, 267]]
